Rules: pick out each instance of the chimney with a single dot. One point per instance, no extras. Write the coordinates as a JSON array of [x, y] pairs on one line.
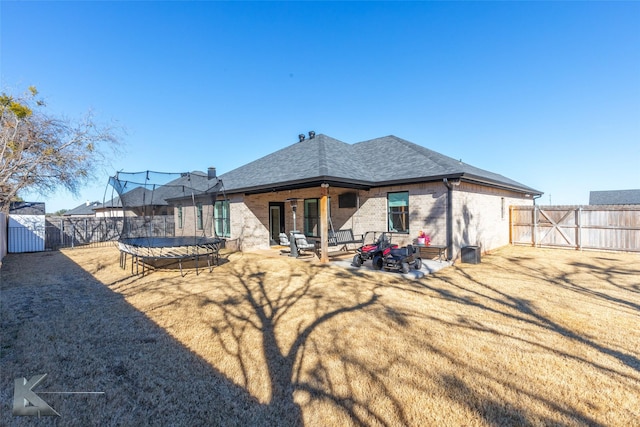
[[312, 134], [87, 203], [301, 137], [211, 173]]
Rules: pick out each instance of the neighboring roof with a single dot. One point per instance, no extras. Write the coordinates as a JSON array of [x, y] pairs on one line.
[[86, 208], [615, 197], [381, 161], [26, 208], [188, 184]]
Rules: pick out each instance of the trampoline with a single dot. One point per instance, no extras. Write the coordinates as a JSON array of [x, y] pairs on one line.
[[144, 250], [164, 218]]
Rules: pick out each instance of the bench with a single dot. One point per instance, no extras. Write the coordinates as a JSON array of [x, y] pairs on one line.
[[344, 237], [432, 251]]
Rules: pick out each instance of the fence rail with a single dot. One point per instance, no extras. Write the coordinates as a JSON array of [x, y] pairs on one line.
[[609, 227], [61, 232]]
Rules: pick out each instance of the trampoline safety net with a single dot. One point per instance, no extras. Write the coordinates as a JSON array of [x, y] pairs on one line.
[[166, 215]]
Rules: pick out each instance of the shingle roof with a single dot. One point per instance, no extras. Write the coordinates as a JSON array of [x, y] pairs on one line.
[[145, 193], [26, 208], [380, 161], [615, 197], [84, 209]]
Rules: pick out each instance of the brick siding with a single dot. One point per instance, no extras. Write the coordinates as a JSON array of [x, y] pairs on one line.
[[479, 216]]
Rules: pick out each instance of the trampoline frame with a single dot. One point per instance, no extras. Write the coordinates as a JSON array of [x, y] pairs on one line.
[[143, 249]]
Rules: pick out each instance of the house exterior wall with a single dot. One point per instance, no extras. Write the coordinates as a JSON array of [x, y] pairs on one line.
[[189, 225], [249, 217], [114, 213], [480, 214], [427, 211]]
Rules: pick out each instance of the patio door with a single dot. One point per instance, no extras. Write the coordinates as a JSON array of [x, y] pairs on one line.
[[276, 221]]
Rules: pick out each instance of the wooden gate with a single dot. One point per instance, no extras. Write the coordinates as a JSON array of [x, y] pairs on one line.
[[579, 227]]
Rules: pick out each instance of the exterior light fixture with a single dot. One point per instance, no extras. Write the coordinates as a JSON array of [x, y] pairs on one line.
[[292, 240]]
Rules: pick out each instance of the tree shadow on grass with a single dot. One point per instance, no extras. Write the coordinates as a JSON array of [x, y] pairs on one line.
[[460, 382], [95, 340], [287, 346], [499, 413], [524, 310], [277, 333], [58, 319], [254, 306], [610, 275]]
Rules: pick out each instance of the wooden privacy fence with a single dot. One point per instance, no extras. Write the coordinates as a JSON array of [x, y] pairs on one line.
[[606, 227]]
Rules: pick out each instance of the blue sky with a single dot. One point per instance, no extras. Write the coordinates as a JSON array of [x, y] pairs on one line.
[[545, 93]]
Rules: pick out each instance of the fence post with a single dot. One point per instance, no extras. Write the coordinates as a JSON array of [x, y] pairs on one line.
[[511, 224], [579, 228], [534, 234]]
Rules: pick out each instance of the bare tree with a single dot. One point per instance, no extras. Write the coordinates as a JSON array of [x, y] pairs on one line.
[[40, 152]]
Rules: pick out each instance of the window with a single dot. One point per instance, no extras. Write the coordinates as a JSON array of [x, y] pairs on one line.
[[312, 216], [398, 212], [221, 219], [347, 200], [199, 216], [180, 223]]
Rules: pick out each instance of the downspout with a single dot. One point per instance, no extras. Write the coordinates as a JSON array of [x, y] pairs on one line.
[[449, 216], [534, 220]]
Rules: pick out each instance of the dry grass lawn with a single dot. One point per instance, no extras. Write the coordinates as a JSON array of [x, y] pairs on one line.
[[529, 337]]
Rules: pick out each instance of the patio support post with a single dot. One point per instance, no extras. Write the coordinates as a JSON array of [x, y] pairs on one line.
[[324, 223]]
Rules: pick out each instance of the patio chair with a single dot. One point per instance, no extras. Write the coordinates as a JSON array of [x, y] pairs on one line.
[[303, 245], [284, 240]]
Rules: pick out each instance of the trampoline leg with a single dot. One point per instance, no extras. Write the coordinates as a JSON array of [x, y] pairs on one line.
[[180, 264]]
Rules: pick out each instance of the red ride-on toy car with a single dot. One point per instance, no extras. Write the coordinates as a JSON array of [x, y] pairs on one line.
[[402, 259], [378, 244]]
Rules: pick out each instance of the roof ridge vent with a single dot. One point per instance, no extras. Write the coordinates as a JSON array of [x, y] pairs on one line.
[[301, 137]]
